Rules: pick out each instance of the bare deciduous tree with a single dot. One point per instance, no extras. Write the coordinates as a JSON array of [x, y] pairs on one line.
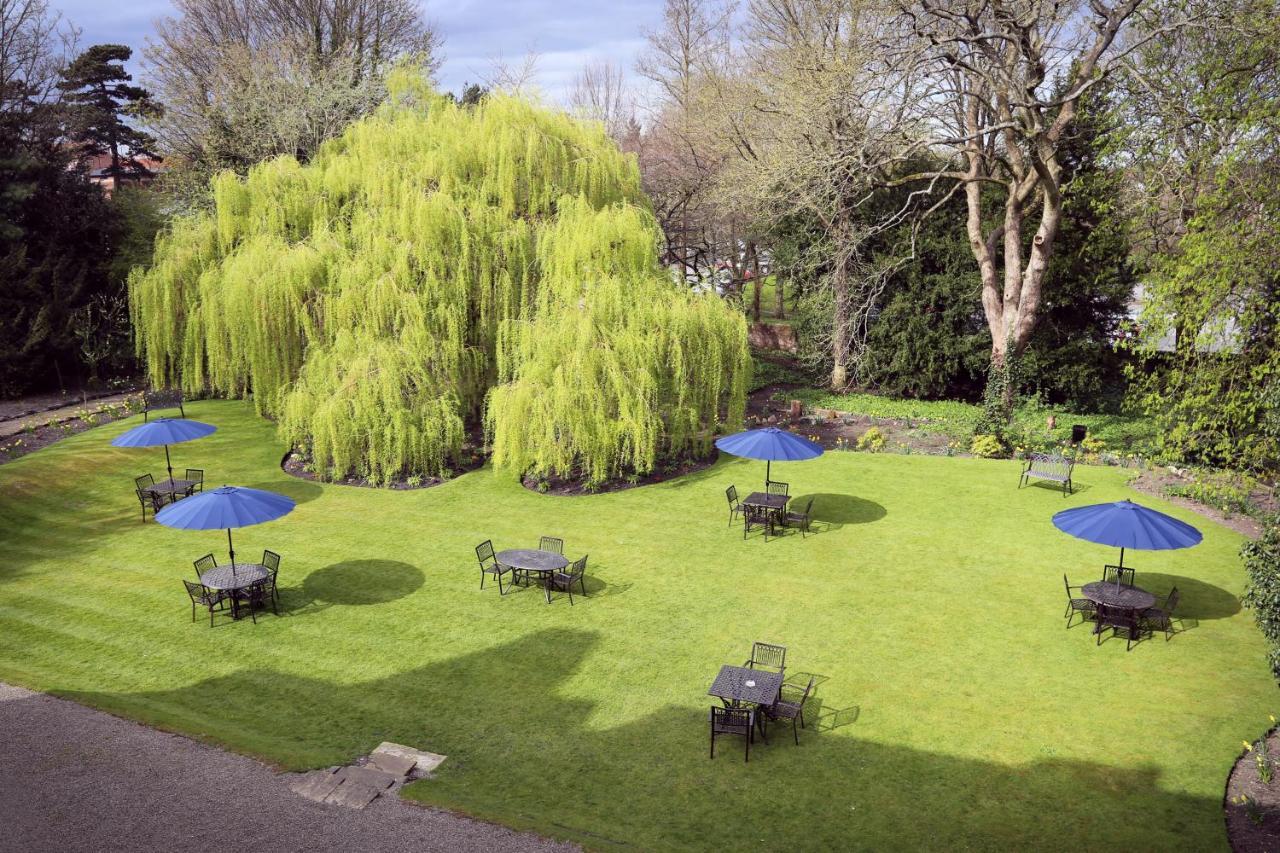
[[35, 44], [244, 79], [600, 94], [1009, 77]]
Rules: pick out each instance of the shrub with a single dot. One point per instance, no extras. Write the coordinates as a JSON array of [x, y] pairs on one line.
[[1229, 491], [1262, 594], [872, 441], [987, 446]]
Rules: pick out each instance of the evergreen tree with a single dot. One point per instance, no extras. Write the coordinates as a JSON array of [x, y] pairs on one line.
[[98, 101]]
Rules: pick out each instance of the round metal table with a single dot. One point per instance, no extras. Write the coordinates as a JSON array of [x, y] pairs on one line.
[[1113, 595], [231, 578], [1117, 596], [532, 560]]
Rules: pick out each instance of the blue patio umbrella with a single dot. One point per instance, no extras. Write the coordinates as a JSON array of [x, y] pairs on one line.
[[225, 507], [769, 444], [1125, 524], [164, 431]]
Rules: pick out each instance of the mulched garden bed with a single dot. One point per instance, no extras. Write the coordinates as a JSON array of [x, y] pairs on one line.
[[295, 464], [34, 438], [1253, 827], [576, 485]]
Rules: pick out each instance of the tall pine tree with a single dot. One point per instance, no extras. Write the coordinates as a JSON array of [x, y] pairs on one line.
[[98, 101]]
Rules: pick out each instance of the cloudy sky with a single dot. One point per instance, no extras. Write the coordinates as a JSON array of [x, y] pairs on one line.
[[564, 33]]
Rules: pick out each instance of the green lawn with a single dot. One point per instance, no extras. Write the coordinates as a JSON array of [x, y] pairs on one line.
[[953, 711]]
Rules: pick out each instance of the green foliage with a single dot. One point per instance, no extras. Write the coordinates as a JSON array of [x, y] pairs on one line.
[[987, 446], [959, 420], [1217, 291], [1229, 491], [1262, 595], [766, 372], [430, 258], [872, 440], [97, 102]]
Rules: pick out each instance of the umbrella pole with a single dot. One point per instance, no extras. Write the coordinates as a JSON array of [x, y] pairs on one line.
[[168, 465], [768, 465], [1122, 556], [232, 551]]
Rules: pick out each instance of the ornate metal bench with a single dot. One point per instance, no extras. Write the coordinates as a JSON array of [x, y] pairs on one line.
[[154, 401], [1055, 468]]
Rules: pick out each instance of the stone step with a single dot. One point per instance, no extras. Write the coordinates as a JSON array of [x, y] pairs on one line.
[[423, 762]]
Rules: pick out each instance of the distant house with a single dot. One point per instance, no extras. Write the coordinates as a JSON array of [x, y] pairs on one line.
[[97, 168], [1223, 337]]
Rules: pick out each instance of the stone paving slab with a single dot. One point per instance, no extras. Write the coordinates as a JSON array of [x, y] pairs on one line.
[[369, 776], [317, 784], [424, 762], [352, 795], [396, 765]]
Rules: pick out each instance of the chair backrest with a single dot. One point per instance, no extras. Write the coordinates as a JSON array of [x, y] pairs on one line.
[[195, 590], [776, 488], [1116, 617], [808, 505], [732, 494], [552, 544], [162, 398], [205, 563], [1054, 464], [1117, 575], [146, 481], [807, 690], [484, 553], [767, 654], [736, 720], [271, 560], [195, 474], [1067, 584], [1171, 602], [579, 566]]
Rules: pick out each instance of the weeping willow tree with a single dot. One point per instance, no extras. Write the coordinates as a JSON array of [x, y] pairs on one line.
[[431, 259]]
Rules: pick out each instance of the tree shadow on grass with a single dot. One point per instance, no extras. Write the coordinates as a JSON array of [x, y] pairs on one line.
[[1197, 600], [832, 511], [649, 779], [362, 582]]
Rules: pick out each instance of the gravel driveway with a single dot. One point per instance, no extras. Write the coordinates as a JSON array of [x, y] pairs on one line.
[[72, 778]]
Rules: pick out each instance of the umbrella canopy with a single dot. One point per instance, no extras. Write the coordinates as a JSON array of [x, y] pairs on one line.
[[1125, 524], [225, 507], [164, 431], [769, 443]]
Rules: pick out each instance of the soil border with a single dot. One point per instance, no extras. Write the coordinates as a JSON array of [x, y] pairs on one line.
[[1243, 834], [294, 464], [570, 487]]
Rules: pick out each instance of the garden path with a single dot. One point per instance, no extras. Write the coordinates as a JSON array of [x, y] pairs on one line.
[[79, 779]]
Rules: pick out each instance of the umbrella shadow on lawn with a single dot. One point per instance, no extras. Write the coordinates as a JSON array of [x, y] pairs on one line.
[[1197, 600], [832, 511], [356, 583]]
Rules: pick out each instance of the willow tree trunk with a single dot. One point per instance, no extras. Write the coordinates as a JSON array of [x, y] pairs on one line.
[[779, 306]]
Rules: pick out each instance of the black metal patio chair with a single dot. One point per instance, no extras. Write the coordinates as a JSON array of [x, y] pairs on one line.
[[271, 561], [566, 578], [733, 721], [211, 599], [204, 564], [1083, 606], [783, 709], [767, 656], [148, 500], [735, 507], [255, 597], [1161, 618], [196, 476], [1120, 576], [1118, 619], [800, 518], [776, 488], [489, 564]]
